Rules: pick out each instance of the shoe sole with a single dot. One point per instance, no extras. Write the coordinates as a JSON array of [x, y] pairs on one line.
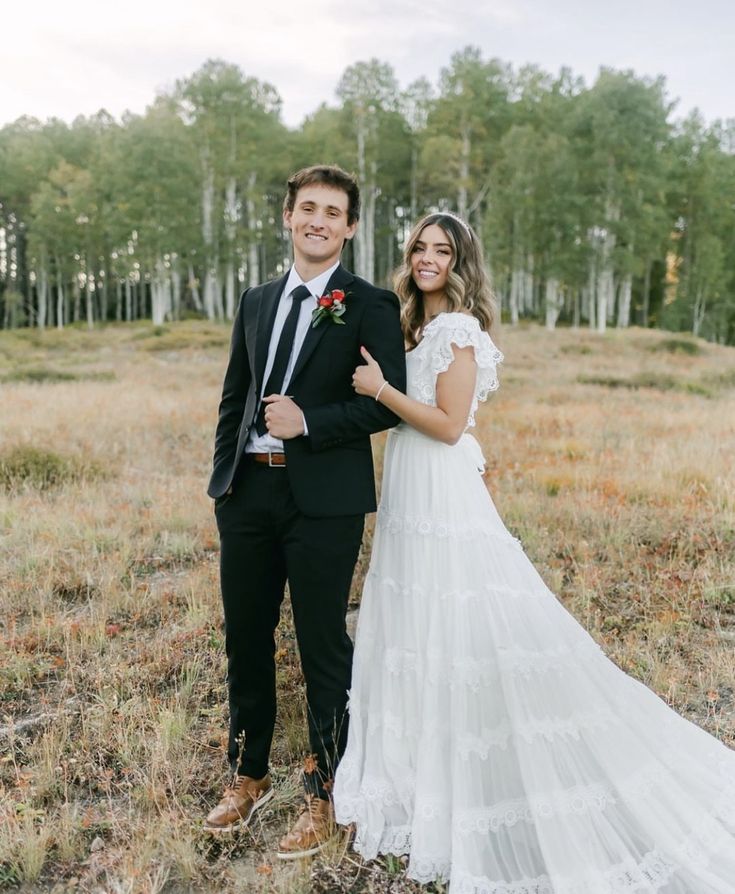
[[297, 855], [243, 821]]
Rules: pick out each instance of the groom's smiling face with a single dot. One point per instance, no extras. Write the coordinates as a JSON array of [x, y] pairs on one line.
[[318, 224]]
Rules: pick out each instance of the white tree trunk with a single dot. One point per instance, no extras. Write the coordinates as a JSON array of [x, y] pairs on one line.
[[253, 254], [700, 307], [194, 288], [464, 173], [59, 297], [605, 294], [128, 300], [515, 295], [76, 302], [211, 287], [368, 226], [230, 290], [160, 294], [102, 282], [219, 307], [605, 278], [213, 294], [42, 292], [359, 240], [253, 264], [175, 309], [646, 294], [89, 300], [626, 290], [231, 216], [364, 241], [209, 290], [414, 182], [528, 291], [553, 303]]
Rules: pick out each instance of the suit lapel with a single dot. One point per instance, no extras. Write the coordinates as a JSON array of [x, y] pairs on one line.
[[266, 317], [340, 279]]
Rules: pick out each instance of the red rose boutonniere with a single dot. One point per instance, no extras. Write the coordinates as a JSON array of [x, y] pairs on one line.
[[331, 305]]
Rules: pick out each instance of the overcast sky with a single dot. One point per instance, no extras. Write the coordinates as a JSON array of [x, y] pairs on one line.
[[75, 57]]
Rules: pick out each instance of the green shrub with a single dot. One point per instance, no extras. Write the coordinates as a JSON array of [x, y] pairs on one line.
[[46, 375], [678, 346], [659, 381], [25, 466], [576, 349], [723, 380], [662, 381], [40, 374], [182, 339]]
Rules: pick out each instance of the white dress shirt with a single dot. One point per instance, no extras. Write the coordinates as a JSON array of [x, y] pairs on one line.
[[267, 443]]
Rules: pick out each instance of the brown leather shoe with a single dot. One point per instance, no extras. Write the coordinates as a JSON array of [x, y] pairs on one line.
[[239, 803], [311, 831]]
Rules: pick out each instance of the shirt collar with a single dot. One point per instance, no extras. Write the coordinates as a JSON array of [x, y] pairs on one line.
[[316, 286]]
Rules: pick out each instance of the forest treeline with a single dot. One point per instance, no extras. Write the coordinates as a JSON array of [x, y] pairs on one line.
[[596, 205]]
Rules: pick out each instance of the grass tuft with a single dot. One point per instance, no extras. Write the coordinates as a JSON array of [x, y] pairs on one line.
[[576, 348], [28, 467], [678, 346], [185, 336], [650, 379], [42, 375]]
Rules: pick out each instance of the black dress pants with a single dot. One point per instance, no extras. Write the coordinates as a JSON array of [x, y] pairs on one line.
[[265, 541]]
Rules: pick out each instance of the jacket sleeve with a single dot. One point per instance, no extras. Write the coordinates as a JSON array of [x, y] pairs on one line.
[[380, 332], [234, 390]]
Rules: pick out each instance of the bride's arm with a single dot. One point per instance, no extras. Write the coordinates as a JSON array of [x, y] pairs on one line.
[[454, 391]]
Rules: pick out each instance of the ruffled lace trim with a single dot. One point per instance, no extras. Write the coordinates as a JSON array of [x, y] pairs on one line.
[[482, 744], [394, 587], [548, 728], [395, 523], [540, 661], [475, 672], [654, 869], [434, 356], [622, 878], [579, 800]]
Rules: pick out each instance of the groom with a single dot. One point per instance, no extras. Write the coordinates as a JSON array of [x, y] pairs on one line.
[[292, 481]]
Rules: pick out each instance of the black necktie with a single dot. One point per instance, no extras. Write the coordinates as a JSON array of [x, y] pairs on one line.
[[283, 353]]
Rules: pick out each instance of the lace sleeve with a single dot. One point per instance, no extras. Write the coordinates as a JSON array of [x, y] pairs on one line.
[[436, 355]]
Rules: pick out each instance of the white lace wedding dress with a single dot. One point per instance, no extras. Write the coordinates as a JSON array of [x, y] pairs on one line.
[[490, 738]]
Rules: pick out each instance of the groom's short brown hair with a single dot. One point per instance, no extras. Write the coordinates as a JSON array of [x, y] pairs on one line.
[[329, 175]]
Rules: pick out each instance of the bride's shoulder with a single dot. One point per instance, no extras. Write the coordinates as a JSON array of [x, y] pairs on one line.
[[463, 329], [454, 320]]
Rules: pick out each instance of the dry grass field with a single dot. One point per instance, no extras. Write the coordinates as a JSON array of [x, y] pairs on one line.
[[610, 457]]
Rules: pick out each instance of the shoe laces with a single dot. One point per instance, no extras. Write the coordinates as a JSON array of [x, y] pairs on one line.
[[312, 806], [238, 787]]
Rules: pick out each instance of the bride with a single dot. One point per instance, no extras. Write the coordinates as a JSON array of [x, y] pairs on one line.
[[490, 739]]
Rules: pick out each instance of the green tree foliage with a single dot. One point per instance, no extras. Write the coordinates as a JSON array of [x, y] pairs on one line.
[[594, 205]]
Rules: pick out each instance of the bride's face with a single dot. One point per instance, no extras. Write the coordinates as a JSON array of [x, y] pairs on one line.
[[431, 259]]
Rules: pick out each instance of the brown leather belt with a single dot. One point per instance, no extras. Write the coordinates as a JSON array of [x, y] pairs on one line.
[[274, 460]]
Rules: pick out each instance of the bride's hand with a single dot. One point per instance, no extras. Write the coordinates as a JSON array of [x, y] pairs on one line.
[[368, 379]]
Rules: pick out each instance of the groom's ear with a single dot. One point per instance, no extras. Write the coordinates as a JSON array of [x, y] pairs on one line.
[[287, 218], [351, 230]]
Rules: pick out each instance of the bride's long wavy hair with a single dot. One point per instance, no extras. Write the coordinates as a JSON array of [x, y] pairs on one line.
[[468, 285]]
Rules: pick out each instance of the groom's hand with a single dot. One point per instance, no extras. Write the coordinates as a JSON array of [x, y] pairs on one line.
[[283, 418]]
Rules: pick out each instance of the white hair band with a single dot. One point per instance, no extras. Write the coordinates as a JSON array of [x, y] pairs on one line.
[[458, 219]]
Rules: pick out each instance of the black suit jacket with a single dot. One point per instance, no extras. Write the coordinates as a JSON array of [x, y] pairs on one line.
[[331, 469]]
